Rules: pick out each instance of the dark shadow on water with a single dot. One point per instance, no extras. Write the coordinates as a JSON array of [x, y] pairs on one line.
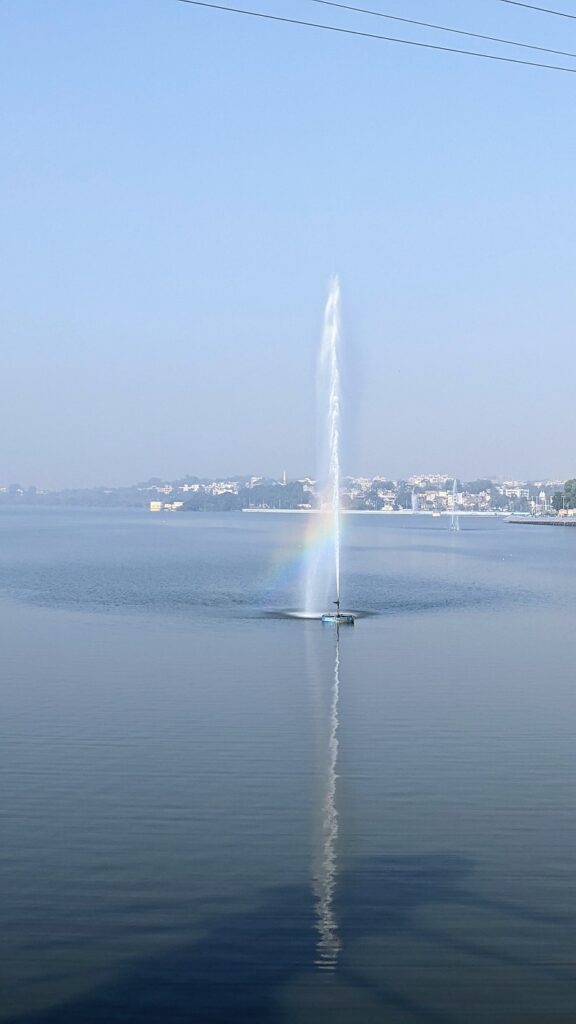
[[245, 961]]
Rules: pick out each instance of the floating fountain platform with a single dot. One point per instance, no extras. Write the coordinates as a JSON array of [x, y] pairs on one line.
[[339, 618]]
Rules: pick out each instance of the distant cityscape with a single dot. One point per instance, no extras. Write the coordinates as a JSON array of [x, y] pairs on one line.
[[427, 493]]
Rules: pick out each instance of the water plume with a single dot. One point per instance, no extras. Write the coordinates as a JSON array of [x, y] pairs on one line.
[[329, 362], [323, 575]]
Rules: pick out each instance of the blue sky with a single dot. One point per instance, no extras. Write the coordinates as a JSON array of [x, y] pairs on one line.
[[179, 184]]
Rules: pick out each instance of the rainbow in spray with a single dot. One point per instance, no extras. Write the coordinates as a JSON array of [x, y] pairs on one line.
[[318, 561]]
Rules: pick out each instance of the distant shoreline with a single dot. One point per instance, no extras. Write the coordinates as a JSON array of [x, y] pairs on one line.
[[542, 520], [381, 512]]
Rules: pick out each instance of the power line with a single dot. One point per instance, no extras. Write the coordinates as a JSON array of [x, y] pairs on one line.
[[444, 28], [543, 10], [373, 35]]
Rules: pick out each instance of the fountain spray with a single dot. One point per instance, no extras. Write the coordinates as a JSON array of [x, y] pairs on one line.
[[323, 567], [329, 362], [330, 371]]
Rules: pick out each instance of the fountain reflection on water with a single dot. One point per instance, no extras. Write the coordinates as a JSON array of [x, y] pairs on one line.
[[325, 872]]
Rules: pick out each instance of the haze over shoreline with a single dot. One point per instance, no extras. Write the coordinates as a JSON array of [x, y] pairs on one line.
[[27, 485], [417, 493]]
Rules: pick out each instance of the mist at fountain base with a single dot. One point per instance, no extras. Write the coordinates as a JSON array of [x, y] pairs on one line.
[[328, 617], [338, 618]]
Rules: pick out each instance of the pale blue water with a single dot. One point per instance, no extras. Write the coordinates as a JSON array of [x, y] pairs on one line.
[[165, 767]]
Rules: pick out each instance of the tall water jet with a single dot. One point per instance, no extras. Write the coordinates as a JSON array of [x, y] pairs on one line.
[[330, 367], [323, 569], [324, 540]]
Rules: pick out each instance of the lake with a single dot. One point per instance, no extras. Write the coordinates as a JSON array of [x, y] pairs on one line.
[[213, 813]]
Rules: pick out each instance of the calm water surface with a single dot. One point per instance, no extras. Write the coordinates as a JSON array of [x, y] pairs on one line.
[[212, 814]]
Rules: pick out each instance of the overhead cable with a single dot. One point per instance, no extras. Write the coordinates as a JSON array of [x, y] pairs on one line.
[[444, 28], [542, 10], [373, 35]]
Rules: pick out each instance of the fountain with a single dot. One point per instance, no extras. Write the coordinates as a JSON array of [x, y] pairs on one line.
[[324, 570]]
